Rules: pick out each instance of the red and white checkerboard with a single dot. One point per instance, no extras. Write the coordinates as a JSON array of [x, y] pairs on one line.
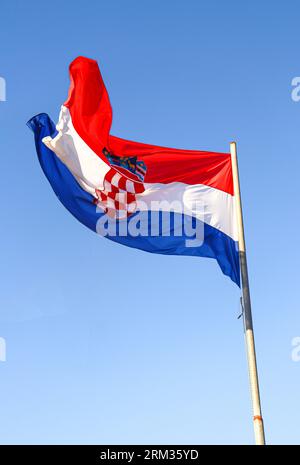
[[118, 197]]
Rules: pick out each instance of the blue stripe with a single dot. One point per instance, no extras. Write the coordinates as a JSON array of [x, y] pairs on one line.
[[216, 244]]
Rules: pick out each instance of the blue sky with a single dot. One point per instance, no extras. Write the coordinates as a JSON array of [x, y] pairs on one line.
[[110, 345]]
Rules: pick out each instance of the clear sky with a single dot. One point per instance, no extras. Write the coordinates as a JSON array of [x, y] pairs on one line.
[[110, 345]]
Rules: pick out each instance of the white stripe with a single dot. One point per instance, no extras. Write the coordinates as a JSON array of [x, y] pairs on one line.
[[83, 163], [86, 187], [213, 206]]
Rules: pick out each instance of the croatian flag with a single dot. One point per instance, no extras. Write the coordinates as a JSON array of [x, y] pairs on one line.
[[157, 199]]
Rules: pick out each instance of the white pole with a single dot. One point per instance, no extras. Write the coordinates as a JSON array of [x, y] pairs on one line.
[[247, 314]]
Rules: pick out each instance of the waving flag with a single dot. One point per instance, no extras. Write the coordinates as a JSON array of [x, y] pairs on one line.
[[152, 198]]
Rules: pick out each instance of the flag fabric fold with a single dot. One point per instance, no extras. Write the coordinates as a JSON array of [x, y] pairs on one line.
[[144, 196]]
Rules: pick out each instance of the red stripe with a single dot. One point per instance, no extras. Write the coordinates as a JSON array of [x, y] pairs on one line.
[[91, 113], [89, 104], [165, 165]]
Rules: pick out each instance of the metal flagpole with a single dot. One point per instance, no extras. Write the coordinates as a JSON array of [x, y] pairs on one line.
[[247, 314]]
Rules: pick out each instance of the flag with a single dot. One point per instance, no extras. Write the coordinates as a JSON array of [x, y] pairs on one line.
[[157, 199]]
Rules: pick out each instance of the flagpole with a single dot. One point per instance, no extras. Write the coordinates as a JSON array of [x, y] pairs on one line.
[[247, 313]]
